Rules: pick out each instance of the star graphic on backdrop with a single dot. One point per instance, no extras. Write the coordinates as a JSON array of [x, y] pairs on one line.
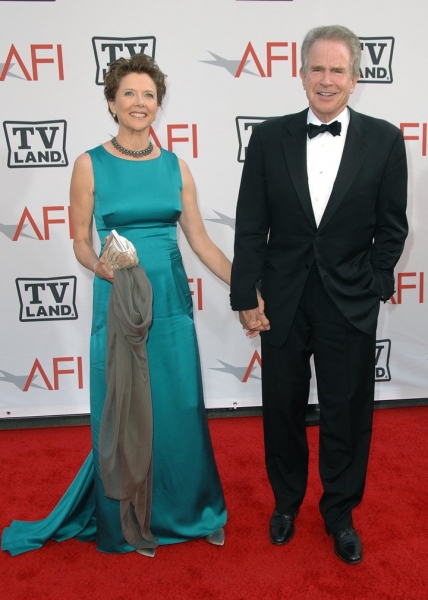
[[229, 65], [223, 220], [238, 372], [18, 380], [9, 231], [9, 74]]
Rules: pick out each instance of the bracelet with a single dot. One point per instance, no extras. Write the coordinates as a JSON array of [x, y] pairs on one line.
[[94, 268]]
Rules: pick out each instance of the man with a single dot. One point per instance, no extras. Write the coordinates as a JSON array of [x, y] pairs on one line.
[[320, 224]]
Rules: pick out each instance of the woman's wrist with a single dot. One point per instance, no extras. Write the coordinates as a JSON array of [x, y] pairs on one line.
[[94, 268]]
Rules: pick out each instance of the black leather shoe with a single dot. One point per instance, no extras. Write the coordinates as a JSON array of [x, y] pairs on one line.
[[281, 528], [347, 545]]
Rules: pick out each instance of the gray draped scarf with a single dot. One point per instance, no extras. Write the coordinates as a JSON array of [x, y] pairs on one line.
[[126, 431]]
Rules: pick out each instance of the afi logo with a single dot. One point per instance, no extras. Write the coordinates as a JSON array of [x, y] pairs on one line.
[[376, 59], [52, 299], [75, 368], [410, 281], [36, 144], [421, 129], [196, 291], [383, 351], [244, 373], [49, 217], [107, 50], [261, 59], [245, 126], [39, 54], [179, 133]]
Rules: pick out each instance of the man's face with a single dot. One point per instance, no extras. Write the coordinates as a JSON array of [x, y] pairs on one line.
[[328, 82]]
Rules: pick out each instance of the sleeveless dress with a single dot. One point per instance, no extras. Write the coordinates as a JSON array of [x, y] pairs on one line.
[[142, 201]]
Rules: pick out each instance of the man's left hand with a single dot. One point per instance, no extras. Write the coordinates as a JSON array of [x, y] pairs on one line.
[[254, 320]]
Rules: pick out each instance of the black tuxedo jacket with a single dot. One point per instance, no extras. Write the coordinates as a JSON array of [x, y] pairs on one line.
[[359, 239]]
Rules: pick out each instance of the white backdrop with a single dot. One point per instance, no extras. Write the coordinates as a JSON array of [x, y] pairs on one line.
[[230, 64]]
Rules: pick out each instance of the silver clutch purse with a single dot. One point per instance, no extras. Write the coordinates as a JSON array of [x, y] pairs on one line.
[[119, 252]]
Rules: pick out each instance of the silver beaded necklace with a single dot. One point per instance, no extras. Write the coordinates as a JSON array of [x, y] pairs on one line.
[[133, 153]]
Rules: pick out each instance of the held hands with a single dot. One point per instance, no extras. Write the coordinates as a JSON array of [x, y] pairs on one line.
[[254, 320]]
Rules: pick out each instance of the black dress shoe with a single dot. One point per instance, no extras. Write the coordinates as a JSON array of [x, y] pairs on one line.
[[281, 528], [347, 545]]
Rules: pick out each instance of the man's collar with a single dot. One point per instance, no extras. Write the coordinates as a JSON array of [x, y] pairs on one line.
[[342, 117]]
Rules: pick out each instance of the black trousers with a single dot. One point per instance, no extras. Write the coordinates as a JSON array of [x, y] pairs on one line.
[[344, 359]]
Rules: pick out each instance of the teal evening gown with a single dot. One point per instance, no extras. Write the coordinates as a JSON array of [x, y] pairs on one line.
[[142, 201]]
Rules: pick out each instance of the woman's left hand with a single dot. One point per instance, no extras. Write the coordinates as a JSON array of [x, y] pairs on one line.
[[103, 271]]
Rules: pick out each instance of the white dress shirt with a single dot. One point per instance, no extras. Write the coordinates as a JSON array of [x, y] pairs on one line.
[[324, 153]]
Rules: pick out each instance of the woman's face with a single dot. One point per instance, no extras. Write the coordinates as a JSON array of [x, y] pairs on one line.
[[135, 103]]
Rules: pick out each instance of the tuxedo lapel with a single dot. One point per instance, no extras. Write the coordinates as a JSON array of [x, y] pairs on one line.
[[294, 146], [353, 156]]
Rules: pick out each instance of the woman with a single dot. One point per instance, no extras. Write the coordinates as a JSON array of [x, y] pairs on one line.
[[142, 191]]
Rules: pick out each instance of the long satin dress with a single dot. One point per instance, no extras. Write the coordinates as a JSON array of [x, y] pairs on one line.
[[142, 201]]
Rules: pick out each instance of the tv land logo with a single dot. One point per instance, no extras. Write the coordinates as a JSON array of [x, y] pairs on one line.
[[376, 60], [383, 352], [109, 49], [245, 126], [36, 144], [51, 299]]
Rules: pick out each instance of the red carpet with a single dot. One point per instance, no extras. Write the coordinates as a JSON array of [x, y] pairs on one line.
[[38, 464]]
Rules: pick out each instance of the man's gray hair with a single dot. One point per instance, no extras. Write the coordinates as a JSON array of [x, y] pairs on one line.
[[336, 33]]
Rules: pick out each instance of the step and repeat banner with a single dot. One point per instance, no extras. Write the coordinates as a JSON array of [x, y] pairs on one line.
[[230, 64]]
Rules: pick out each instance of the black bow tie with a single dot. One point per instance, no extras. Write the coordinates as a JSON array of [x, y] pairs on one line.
[[334, 128]]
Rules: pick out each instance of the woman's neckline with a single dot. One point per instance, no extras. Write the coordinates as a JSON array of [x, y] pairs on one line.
[[132, 161]]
